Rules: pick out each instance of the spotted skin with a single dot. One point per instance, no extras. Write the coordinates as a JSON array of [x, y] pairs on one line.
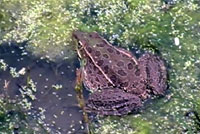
[[124, 80], [117, 102]]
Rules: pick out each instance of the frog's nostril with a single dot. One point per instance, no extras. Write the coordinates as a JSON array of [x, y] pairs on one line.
[[90, 35]]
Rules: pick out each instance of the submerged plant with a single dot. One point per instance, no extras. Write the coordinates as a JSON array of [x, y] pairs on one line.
[[171, 30], [3, 65], [15, 119]]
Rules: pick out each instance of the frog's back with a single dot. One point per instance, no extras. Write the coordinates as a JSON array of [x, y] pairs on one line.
[[112, 66]]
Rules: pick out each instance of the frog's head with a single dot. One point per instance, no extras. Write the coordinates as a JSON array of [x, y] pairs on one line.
[[79, 40], [84, 39], [79, 37]]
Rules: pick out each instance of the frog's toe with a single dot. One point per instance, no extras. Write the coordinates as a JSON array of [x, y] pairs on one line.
[[112, 102]]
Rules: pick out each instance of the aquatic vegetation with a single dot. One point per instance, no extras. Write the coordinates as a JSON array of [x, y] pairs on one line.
[[141, 126], [14, 119], [47, 27], [156, 29], [134, 125], [3, 65], [173, 31], [13, 72], [33, 91], [27, 93], [57, 86]]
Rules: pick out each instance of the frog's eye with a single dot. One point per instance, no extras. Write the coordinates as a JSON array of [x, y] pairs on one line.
[[79, 45]]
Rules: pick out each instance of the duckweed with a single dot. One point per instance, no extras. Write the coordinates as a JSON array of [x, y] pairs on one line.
[[170, 30]]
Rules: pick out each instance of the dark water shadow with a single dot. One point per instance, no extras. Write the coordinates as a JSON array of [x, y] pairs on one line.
[[62, 114]]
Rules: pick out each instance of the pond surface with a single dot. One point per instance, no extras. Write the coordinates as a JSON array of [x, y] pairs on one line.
[[60, 107], [55, 104], [170, 28]]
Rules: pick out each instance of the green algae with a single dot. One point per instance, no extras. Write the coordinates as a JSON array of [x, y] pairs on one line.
[[125, 125], [155, 28], [45, 26], [6, 18], [147, 24], [15, 116], [141, 126], [14, 119]]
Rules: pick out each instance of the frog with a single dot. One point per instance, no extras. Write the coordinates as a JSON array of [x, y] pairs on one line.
[[119, 82]]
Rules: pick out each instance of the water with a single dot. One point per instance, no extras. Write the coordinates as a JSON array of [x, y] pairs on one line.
[[61, 111], [170, 28]]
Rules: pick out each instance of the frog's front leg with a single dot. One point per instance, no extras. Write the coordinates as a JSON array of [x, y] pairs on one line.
[[79, 87], [112, 102], [79, 95]]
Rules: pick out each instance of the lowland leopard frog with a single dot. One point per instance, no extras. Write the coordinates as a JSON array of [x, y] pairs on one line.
[[118, 80]]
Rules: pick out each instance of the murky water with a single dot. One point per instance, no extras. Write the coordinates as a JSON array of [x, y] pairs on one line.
[[61, 111]]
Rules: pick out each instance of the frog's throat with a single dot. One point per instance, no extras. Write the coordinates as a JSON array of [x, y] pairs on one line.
[[107, 78]]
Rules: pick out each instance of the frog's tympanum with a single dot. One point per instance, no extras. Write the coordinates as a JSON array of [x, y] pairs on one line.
[[118, 80]]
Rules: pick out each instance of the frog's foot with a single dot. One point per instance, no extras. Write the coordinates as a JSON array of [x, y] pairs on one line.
[[156, 73], [112, 102], [144, 95]]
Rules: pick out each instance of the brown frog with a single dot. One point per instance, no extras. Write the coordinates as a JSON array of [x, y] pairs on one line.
[[118, 80]]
